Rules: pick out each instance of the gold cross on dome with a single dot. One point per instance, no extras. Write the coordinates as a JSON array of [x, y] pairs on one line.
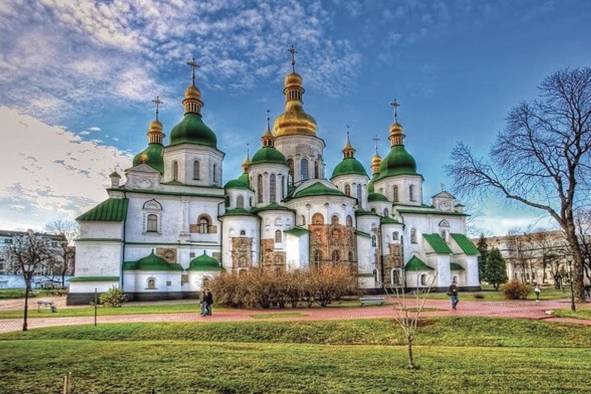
[[269, 120], [194, 65], [158, 102], [395, 104], [293, 51], [376, 140]]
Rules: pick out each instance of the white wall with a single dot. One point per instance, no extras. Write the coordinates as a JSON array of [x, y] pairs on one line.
[[353, 180], [266, 170], [298, 147], [385, 186], [185, 155], [232, 227]]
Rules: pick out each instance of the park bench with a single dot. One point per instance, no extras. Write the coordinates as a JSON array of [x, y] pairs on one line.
[[371, 300], [49, 304]]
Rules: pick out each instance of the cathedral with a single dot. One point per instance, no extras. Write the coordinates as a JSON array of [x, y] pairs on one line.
[[173, 225]]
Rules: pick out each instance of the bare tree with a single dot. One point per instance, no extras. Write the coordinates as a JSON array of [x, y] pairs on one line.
[[67, 232], [408, 315], [542, 158], [29, 252], [584, 232]]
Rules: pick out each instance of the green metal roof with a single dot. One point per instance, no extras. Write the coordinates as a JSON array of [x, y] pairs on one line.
[[94, 279], [204, 263], [242, 182], [416, 264], [361, 212], [192, 130], [455, 267], [362, 233], [297, 231], [318, 189], [465, 244], [237, 212], [153, 156], [272, 207], [152, 262], [268, 154], [437, 243], [389, 220], [349, 166], [397, 162], [110, 210], [373, 197]]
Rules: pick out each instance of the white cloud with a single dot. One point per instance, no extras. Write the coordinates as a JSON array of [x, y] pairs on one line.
[[50, 172]]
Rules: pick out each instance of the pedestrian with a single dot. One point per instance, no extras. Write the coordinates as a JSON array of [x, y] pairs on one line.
[[537, 290], [209, 302], [452, 292], [203, 302]]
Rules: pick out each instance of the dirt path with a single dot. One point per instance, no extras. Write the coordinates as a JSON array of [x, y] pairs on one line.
[[503, 309]]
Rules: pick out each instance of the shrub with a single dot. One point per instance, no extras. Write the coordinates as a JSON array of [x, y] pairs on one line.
[[258, 288], [114, 297], [516, 290], [479, 296]]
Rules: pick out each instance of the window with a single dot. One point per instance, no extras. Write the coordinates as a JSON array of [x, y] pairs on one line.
[[334, 220], [317, 218], [168, 283], [192, 254], [151, 284], [359, 192], [175, 170], [413, 235], [249, 202], [203, 222], [373, 240], [304, 169], [444, 229], [152, 224], [196, 170], [316, 169], [290, 171], [282, 180], [272, 188], [395, 277], [349, 221], [336, 256], [350, 256], [386, 212], [395, 193], [317, 258], [260, 188], [278, 236], [242, 232], [423, 280], [215, 173], [347, 189], [411, 192], [395, 236], [302, 220], [240, 201]]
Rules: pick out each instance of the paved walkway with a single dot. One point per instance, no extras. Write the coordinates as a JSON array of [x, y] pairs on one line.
[[501, 309]]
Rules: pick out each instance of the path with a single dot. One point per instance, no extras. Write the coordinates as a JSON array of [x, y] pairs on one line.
[[503, 309]]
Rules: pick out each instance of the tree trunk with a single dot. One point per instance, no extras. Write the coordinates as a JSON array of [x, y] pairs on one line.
[[577, 276], [411, 361], [26, 312]]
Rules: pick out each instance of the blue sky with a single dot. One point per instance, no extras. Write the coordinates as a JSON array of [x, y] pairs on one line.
[[76, 81]]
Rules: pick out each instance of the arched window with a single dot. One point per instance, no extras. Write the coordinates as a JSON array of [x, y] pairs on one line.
[[395, 193], [386, 212], [175, 170], [349, 221], [277, 235], [423, 280], [304, 169], [151, 284], [336, 256], [350, 256], [373, 240], [347, 189], [373, 210], [334, 220], [242, 232], [260, 188], [444, 229], [411, 192], [272, 188], [152, 223], [203, 223], [240, 201], [196, 170], [215, 173], [395, 276], [359, 192], [413, 235], [395, 236], [317, 218], [290, 171], [316, 169], [249, 202]]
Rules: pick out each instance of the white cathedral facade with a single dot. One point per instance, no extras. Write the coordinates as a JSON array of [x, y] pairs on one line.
[[173, 225]]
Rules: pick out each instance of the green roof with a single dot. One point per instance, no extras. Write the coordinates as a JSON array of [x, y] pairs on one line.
[[362, 233], [416, 264], [397, 162], [372, 197], [237, 212], [455, 267], [437, 243], [429, 211], [152, 156], [297, 231], [370, 187], [110, 210], [389, 220], [192, 130], [152, 262], [349, 166], [318, 189], [361, 212], [465, 244], [242, 182], [268, 154], [272, 207], [204, 263], [94, 279]]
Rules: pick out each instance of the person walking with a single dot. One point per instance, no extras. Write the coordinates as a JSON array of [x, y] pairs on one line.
[[452, 292], [203, 302], [537, 290], [209, 302]]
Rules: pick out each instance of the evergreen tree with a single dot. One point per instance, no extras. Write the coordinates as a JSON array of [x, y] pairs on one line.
[[496, 269], [483, 248]]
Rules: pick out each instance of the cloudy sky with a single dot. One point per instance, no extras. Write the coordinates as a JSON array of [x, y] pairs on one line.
[[77, 79]]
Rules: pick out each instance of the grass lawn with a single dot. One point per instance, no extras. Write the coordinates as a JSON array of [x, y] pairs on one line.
[[581, 313], [489, 294], [454, 354], [7, 294], [277, 315]]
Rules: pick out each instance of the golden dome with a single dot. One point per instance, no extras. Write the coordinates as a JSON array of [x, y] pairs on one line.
[[192, 92], [155, 125], [396, 134], [292, 79], [192, 101], [376, 160], [294, 120]]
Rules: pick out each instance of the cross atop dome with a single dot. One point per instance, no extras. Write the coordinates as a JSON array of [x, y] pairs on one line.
[[194, 65], [293, 51], [395, 104], [157, 102]]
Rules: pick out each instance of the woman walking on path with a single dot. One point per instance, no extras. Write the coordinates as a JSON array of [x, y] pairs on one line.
[[209, 302], [537, 290], [452, 292], [203, 302]]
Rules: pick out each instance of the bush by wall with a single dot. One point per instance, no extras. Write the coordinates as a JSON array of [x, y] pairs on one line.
[[516, 290]]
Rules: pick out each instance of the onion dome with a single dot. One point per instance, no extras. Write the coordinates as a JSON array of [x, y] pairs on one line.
[[376, 160], [349, 165], [153, 262], [318, 189], [294, 120], [376, 197], [191, 129], [153, 154], [242, 182], [204, 263], [268, 153]]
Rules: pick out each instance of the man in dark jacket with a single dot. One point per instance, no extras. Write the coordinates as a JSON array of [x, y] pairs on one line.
[[452, 292], [208, 301]]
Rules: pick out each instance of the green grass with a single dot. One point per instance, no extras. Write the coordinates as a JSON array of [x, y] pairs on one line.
[[489, 294], [7, 294], [278, 315], [477, 355], [581, 313]]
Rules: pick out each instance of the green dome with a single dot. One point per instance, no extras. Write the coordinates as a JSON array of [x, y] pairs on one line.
[[152, 156], [204, 263], [153, 262], [268, 154], [376, 197], [398, 162], [347, 167], [192, 130], [318, 189], [242, 182], [370, 188]]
